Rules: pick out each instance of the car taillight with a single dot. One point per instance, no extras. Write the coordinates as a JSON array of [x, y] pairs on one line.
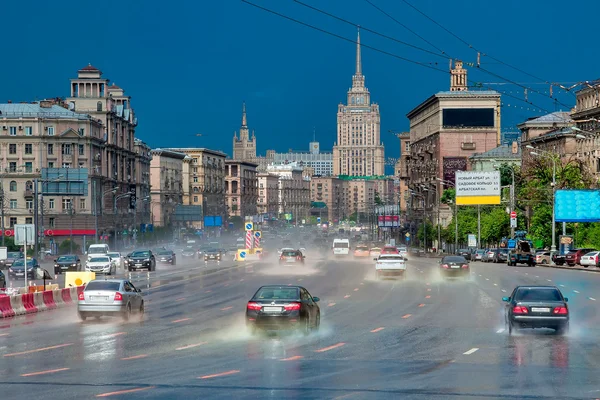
[[465, 265], [520, 310], [292, 307], [118, 297], [298, 258], [81, 296], [254, 306], [444, 265], [560, 310]]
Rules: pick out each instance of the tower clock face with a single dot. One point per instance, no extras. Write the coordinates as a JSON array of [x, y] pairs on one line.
[[315, 146]]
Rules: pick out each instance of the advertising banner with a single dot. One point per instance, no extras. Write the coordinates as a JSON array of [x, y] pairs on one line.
[[453, 164], [477, 188], [577, 205], [388, 221]]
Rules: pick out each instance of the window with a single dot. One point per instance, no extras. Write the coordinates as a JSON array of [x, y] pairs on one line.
[[195, 169], [29, 220], [51, 222], [51, 204], [12, 166], [29, 167], [29, 204], [50, 164], [407, 147], [82, 204], [50, 148], [12, 148], [50, 131], [195, 161], [81, 149], [195, 199], [99, 106], [66, 204], [12, 222], [66, 165], [195, 179], [28, 131], [13, 131], [66, 149], [81, 131], [13, 203]]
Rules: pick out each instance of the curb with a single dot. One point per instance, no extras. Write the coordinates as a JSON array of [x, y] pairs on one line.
[[568, 268]]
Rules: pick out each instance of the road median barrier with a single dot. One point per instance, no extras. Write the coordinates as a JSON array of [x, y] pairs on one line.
[[29, 303], [578, 268]]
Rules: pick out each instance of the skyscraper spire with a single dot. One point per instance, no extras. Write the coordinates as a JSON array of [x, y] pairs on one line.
[[358, 61], [244, 122]]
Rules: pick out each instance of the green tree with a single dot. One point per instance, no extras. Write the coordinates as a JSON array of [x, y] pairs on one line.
[[65, 247], [495, 224], [428, 231], [378, 200]]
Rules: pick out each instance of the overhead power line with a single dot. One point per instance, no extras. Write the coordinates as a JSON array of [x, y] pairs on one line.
[[346, 39]]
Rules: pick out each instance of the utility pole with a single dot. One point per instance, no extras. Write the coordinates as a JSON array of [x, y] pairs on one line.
[[455, 226], [35, 219], [512, 199], [478, 226]]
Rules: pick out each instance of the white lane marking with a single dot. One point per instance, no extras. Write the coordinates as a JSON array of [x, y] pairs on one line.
[[575, 291], [500, 330], [562, 285], [549, 280], [591, 298], [526, 273], [495, 284], [479, 274], [537, 276], [469, 352], [503, 290], [487, 279]]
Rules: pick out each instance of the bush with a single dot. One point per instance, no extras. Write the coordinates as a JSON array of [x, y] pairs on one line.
[[65, 247]]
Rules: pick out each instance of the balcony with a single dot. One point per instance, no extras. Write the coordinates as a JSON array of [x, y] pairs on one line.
[[28, 193]]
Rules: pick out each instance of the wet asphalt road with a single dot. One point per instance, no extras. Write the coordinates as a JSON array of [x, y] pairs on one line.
[[420, 338]]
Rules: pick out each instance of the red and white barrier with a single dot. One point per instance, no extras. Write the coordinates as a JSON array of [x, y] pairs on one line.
[[29, 303], [6, 309], [38, 301]]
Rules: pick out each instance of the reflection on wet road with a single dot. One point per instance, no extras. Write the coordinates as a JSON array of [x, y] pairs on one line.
[[421, 337]]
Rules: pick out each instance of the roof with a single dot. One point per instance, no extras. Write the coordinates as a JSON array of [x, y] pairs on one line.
[[557, 117], [168, 153], [453, 94], [113, 86], [503, 152], [193, 150], [89, 67], [33, 110], [553, 135]]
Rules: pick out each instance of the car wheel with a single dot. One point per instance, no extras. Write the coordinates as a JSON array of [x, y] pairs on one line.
[[544, 262], [317, 323], [141, 311], [306, 327], [82, 316], [174, 262], [563, 329], [127, 313]]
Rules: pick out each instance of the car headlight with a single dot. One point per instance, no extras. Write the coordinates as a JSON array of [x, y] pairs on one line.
[[73, 265], [147, 260], [107, 266], [10, 270], [56, 265]]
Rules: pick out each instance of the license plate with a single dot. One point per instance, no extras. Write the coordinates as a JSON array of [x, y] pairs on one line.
[[65, 267], [98, 297], [540, 309], [272, 309], [20, 273], [455, 266], [138, 265]]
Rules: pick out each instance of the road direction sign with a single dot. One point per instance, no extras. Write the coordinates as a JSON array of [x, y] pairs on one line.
[[407, 235], [257, 234], [24, 234], [249, 226], [513, 214]]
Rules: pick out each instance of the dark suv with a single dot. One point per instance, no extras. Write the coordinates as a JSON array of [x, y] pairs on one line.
[[574, 256]]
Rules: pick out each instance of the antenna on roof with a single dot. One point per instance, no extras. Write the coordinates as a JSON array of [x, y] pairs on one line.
[[314, 134]]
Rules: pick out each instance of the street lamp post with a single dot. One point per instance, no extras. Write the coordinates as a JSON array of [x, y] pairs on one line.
[[449, 183], [512, 194], [550, 155]]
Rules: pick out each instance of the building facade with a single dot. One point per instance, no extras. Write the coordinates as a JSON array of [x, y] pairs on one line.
[[504, 154], [358, 150], [268, 199], [244, 146], [293, 191], [203, 179], [320, 162], [241, 188], [333, 192], [586, 117], [447, 129], [401, 169], [166, 185]]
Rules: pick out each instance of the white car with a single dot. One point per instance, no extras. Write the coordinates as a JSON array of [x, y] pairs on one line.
[[390, 265], [101, 264], [116, 258], [590, 259]]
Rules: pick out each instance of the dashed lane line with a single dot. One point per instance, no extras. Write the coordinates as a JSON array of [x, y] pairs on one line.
[[226, 373], [503, 290], [58, 346], [335, 346], [180, 320], [189, 346], [562, 285], [50, 371], [120, 392], [427, 297], [495, 284], [226, 308], [293, 358], [549, 280], [134, 357], [429, 290], [500, 330], [421, 305], [346, 296], [591, 298], [575, 291], [356, 289], [116, 334], [330, 304], [469, 352], [378, 329], [406, 316]]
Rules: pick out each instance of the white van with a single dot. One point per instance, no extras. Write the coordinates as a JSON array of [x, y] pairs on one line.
[[341, 247], [97, 250]]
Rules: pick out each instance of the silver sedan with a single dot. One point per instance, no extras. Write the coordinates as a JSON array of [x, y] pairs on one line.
[[115, 297]]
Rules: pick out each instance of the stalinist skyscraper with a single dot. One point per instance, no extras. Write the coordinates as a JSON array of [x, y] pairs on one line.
[[358, 151]]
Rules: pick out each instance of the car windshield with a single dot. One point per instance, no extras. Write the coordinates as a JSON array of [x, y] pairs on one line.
[[99, 259], [211, 250], [341, 245], [140, 254], [454, 259], [165, 252], [14, 254], [19, 263], [66, 259], [362, 248], [391, 257], [103, 285], [505, 251], [289, 253], [538, 294], [277, 293], [114, 255]]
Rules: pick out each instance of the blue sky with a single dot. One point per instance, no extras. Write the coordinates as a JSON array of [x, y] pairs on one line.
[[189, 64]]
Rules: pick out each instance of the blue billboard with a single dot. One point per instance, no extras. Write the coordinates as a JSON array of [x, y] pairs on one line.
[[216, 220], [577, 205]]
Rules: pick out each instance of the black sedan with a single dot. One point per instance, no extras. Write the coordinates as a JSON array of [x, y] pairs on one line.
[[188, 253], [141, 259], [17, 270], [537, 307], [213, 255], [11, 257], [283, 307], [291, 257], [167, 257], [69, 262], [466, 253], [454, 266]]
